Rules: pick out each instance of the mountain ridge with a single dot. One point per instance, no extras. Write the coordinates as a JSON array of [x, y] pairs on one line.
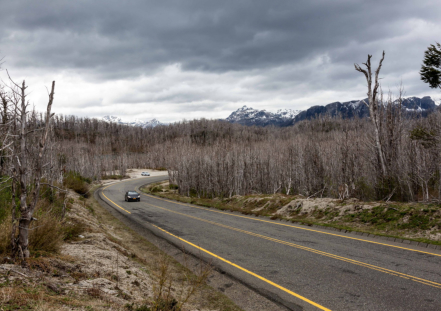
[[287, 117], [144, 124], [350, 109]]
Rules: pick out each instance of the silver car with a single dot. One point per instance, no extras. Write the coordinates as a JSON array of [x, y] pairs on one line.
[[145, 174]]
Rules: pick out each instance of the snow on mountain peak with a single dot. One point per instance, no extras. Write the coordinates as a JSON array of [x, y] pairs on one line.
[[136, 122], [287, 113], [250, 115], [111, 119]]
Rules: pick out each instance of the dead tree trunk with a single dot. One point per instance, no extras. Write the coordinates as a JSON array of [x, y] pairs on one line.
[[374, 106], [22, 161]]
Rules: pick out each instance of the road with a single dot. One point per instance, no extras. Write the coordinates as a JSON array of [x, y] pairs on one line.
[[299, 267]]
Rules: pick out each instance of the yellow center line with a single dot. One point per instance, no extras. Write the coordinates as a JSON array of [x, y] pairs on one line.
[[293, 226], [116, 183], [348, 260], [102, 191], [233, 264], [247, 271]]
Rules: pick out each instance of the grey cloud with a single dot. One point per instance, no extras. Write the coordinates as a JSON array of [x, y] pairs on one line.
[[247, 50], [128, 38]]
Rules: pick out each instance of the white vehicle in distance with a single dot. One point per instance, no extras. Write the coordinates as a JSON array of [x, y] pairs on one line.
[[145, 174]]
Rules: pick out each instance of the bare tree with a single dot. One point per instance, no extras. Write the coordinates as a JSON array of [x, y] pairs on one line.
[[374, 105], [27, 164], [4, 128]]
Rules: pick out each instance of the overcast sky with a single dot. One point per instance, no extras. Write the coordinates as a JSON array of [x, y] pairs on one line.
[[185, 59]]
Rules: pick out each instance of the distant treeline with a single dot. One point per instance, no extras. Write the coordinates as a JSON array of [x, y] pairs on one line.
[[218, 159]]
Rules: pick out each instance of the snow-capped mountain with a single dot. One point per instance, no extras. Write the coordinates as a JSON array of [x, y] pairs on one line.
[[144, 124], [250, 116], [137, 122], [354, 108], [112, 119], [287, 113]]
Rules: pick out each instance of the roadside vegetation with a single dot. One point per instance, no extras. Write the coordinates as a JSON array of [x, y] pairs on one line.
[[88, 260], [414, 221]]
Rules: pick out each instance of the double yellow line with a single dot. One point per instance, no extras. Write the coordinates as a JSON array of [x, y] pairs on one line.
[[355, 262], [102, 192], [227, 261], [293, 226], [348, 260], [247, 271]]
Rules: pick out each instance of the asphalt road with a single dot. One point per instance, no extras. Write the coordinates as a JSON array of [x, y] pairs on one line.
[[297, 266]]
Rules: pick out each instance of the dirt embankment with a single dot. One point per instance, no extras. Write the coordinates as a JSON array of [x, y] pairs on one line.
[[106, 267]]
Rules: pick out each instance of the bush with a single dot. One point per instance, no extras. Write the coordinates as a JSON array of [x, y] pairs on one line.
[[5, 234], [5, 199], [156, 189], [160, 168], [173, 187], [364, 190], [72, 229], [113, 177], [46, 234], [132, 307], [77, 183]]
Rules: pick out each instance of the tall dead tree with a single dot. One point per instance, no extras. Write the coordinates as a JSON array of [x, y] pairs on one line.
[[4, 128], [27, 164], [374, 106]]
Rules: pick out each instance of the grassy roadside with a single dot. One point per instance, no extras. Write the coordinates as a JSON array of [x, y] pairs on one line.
[[104, 265], [410, 221]]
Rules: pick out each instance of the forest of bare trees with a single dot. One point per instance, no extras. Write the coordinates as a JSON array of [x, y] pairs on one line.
[[216, 158], [211, 158], [314, 157]]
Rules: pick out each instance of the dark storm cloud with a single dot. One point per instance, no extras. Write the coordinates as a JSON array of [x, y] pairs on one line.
[[117, 39], [203, 55]]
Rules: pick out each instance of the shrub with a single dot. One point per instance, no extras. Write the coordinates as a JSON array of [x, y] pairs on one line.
[[160, 168], [173, 187], [364, 190], [72, 229], [5, 199], [156, 189], [45, 233], [5, 234], [77, 183], [132, 307], [113, 177]]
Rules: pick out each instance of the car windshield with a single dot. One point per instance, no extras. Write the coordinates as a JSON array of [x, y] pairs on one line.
[[132, 193]]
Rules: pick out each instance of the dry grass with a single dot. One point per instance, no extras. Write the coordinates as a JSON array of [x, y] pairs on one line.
[[5, 235], [56, 281], [46, 234], [173, 289]]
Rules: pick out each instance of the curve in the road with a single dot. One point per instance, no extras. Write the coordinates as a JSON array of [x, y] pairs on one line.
[[297, 227], [352, 261], [405, 273], [223, 259]]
